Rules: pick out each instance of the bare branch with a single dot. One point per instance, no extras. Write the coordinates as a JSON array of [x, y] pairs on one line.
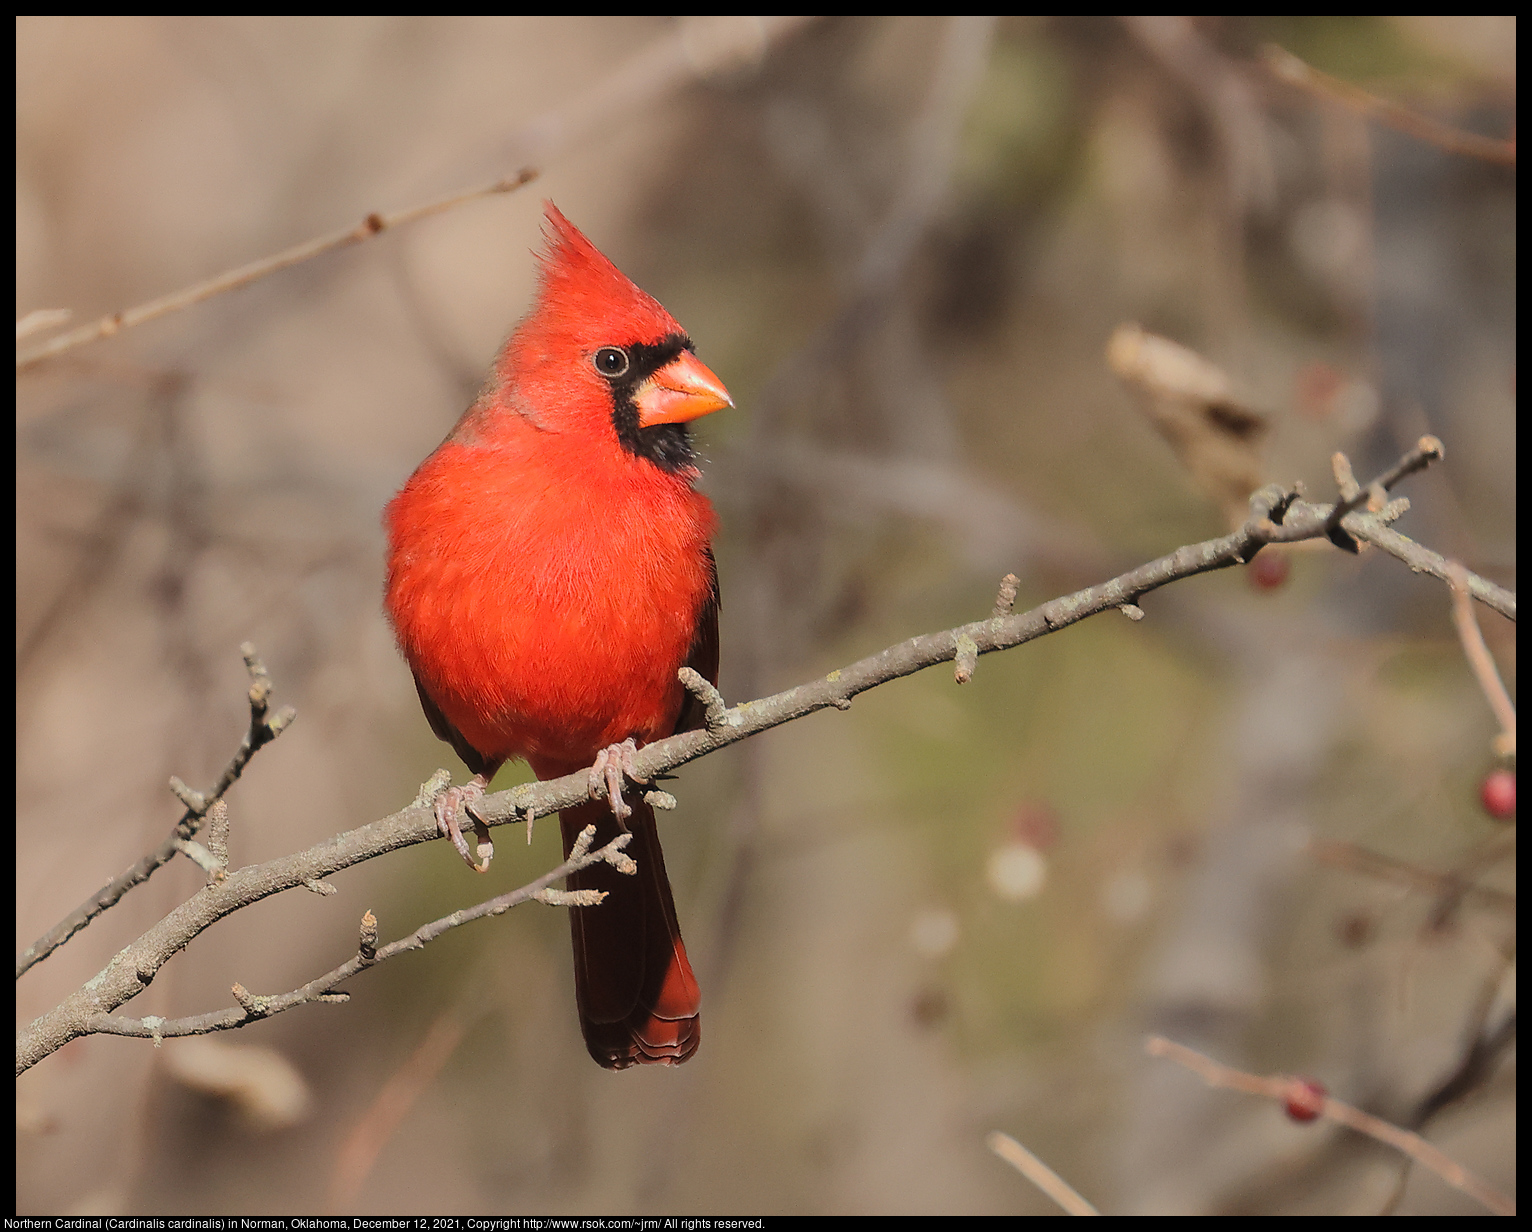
[[1345, 479], [230, 280], [262, 731], [373, 1129], [1280, 1088], [1353, 496], [1483, 665], [1373, 529], [369, 954], [1039, 1173], [716, 710], [1277, 515], [217, 838], [700, 49], [1455, 885], [1490, 1045], [1289, 69], [40, 319]]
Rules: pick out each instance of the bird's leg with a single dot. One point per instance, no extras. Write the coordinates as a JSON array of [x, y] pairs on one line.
[[612, 763], [450, 805]]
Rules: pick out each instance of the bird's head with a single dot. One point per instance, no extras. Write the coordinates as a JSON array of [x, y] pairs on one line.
[[597, 356]]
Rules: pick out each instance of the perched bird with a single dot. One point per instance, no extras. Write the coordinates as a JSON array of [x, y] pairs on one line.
[[549, 571]]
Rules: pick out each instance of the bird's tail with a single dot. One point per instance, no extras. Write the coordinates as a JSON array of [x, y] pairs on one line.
[[634, 988]]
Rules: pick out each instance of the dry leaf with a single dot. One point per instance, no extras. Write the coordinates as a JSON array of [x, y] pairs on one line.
[[1191, 404], [261, 1083]]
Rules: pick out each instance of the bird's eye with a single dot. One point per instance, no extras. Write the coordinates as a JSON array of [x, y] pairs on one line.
[[611, 362]]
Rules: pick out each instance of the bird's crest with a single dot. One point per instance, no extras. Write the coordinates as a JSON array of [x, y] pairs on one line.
[[580, 290]]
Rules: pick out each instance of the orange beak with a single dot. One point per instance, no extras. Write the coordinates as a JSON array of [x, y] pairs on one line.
[[680, 391]]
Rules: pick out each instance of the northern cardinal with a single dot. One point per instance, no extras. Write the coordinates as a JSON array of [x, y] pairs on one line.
[[549, 571]]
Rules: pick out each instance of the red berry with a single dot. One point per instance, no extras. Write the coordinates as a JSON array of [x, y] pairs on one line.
[[1498, 794], [1269, 569], [1305, 1099]]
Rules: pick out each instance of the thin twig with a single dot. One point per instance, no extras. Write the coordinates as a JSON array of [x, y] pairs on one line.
[[404, 1087], [369, 954], [1463, 881], [699, 49], [1223, 88], [1278, 1088], [1488, 1048], [1374, 530], [715, 709], [1340, 854], [1039, 1173], [1288, 68], [40, 319], [261, 731], [230, 280], [1479, 659], [1353, 496]]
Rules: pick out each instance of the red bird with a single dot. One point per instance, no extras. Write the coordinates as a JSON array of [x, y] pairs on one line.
[[549, 571]]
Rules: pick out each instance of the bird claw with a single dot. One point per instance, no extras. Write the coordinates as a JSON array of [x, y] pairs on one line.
[[611, 765], [450, 804]]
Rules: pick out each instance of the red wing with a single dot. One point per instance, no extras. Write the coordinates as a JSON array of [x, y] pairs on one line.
[[442, 726]]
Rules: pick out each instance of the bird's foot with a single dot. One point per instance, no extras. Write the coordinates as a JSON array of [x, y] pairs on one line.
[[611, 765], [451, 805]]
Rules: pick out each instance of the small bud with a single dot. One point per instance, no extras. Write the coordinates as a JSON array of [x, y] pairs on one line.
[[582, 842], [1006, 599], [967, 658], [367, 946], [248, 1002]]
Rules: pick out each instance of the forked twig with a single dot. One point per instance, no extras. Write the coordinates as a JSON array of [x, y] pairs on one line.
[[263, 729]]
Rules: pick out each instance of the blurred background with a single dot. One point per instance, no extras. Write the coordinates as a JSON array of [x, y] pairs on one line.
[[1251, 822]]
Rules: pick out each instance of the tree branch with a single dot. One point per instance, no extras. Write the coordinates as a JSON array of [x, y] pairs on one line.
[[1483, 665], [1451, 887], [369, 954], [262, 731], [1039, 1173], [1289, 69], [1423, 560], [1277, 515], [1280, 1088], [232, 280], [699, 48]]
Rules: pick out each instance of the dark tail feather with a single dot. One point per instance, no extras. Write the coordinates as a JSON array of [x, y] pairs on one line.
[[634, 988]]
